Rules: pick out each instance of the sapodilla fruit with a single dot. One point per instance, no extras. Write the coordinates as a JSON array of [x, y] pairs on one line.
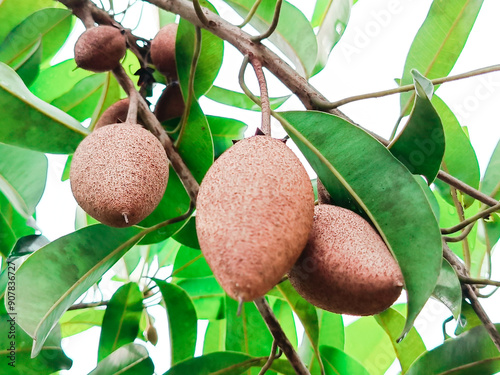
[[346, 267], [114, 114], [170, 104], [163, 51], [119, 174], [254, 214], [100, 48]]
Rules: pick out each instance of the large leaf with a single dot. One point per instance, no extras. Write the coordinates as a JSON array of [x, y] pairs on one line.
[[237, 99], [65, 269], [32, 123], [22, 177], [28, 66], [420, 145], [76, 321], [449, 290], [181, 321], [190, 263], [344, 156], [207, 295], [15, 221], [120, 324], [293, 35], [339, 363], [131, 359], [439, 42], [471, 353]]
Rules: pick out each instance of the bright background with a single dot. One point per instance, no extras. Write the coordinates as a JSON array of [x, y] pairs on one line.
[[370, 55]]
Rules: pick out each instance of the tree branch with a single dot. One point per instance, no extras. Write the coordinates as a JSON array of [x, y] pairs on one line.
[[471, 220]]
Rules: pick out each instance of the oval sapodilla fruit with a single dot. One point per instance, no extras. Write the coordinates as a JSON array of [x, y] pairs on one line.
[[170, 104], [100, 48], [119, 174], [254, 214], [346, 267], [163, 51], [114, 114]]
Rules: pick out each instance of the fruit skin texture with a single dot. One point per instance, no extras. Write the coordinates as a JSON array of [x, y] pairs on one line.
[[346, 267], [254, 214], [118, 170], [100, 48], [170, 103], [163, 51]]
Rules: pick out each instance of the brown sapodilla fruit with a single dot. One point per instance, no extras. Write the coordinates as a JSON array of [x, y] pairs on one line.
[[346, 267], [114, 114], [119, 174], [170, 104], [254, 214], [100, 48], [163, 51]]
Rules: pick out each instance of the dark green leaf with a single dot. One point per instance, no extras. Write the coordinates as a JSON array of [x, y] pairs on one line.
[[27, 245], [66, 268], [120, 324], [29, 67], [22, 177], [207, 295], [131, 359], [76, 321], [41, 127], [368, 173], [237, 99], [430, 195], [7, 237], [190, 263], [187, 235], [339, 363], [293, 36], [181, 321], [224, 132], [468, 318], [17, 223], [449, 290], [439, 42], [420, 145], [471, 353]]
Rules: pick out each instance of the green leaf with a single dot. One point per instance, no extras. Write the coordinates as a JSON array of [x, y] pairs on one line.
[[490, 184], [331, 16], [284, 314], [408, 350], [77, 321], [207, 295], [449, 290], [29, 66], [17, 223], [7, 237], [22, 177], [131, 359], [468, 318], [383, 187], [15, 347], [439, 42], [65, 269], [190, 263], [41, 127], [224, 132], [470, 353], [237, 99], [420, 145], [182, 321], [214, 340], [120, 324], [293, 36], [339, 363], [187, 235], [27, 245]]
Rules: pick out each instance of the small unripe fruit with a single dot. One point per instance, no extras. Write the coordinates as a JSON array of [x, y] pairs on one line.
[[114, 114], [163, 51], [100, 48], [119, 174], [170, 104], [254, 214], [346, 267]]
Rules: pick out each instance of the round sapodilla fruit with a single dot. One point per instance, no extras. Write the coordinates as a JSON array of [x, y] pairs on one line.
[[254, 214], [119, 174], [346, 267], [114, 114], [163, 51], [170, 104], [100, 48]]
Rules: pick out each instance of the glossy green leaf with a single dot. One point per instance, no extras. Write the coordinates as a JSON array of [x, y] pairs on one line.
[[459, 157], [41, 127], [181, 321], [420, 145], [237, 99], [7, 237], [207, 295], [471, 353], [224, 132], [339, 363], [66, 268], [131, 359], [22, 177], [77, 321], [187, 235], [120, 324], [388, 194], [429, 194], [408, 350], [190, 263], [284, 314], [17, 223], [27, 245], [468, 318], [331, 16], [29, 66], [15, 346], [491, 181], [293, 35], [449, 290], [214, 340], [439, 42]]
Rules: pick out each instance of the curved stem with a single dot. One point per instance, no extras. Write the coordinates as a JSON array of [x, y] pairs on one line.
[[250, 14], [470, 280], [471, 219], [199, 13], [461, 237], [270, 360], [273, 25]]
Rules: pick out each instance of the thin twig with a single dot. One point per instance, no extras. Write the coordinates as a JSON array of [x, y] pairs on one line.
[[470, 280], [264, 97], [270, 360], [199, 13], [469, 190], [471, 220], [250, 14], [461, 216], [280, 337], [462, 235], [87, 305], [273, 25]]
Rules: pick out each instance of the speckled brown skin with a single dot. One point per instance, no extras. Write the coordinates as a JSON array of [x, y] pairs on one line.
[[346, 267], [100, 48], [115, 114], [323, 194], [119, 171], [254, 214], [170, 104], [163, 51]]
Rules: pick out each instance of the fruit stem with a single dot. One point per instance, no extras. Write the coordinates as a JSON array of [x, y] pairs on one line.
[[132, 107], [264, 97]]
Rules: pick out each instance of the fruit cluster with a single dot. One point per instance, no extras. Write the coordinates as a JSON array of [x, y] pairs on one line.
[[256, 217]]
